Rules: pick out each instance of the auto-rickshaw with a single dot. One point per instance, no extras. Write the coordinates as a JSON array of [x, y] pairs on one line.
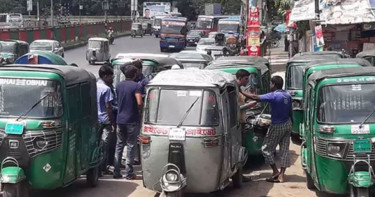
[[259, 81], [338, 154], [98, 50], [319, 65], [10, 50], [293, 82], [137, 30], [246, 59], [191, 116], [151, 64], [368, 55], [51, 138], [41, 57]]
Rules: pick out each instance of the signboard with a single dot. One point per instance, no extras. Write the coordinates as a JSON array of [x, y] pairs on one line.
[[151, 9], [303, 10], [29, 5], [289, 24], [253, 17], [319, 36], [253, 32]]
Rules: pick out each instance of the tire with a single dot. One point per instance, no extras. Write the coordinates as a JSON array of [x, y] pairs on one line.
[[237, 178], [92, 177], [174, 194], [309, 182], [275, 43], [16, 190], [63, 55], [359, 192]]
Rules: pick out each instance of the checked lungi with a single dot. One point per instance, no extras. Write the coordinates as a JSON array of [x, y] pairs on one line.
[[277, 134]]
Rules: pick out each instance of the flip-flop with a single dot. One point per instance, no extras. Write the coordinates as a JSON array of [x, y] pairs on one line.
[[273, 180]]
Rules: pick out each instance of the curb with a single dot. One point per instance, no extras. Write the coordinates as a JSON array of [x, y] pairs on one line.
[[69, 46]]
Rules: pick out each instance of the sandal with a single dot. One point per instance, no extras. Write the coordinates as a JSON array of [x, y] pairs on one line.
[[273, 180]]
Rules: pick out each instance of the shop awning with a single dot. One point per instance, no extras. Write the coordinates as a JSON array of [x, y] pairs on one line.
[[303, 10]]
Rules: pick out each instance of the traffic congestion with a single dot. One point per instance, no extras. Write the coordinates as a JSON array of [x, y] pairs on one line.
[[176, 107]]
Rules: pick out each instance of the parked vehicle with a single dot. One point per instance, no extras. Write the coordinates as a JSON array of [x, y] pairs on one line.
[[137, 30], [11, 20], [368, 55], [194, 36], [41, 57], [259, 80], [10, 50], [52, 137], [98, 50], [294, 81], [338, 153], [173, 34], [191, 115], [53, 46]]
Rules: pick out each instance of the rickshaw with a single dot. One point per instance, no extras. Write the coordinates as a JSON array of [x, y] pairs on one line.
[[137, 30], [98, 50], [151, 65], [259, 81], [10, 50], [368, 55], [338, 154], [41, 57], [293, 83], [190, 141], [48, 128]]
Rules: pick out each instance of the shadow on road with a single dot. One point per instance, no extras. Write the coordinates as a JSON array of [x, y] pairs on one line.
[[106, 187]]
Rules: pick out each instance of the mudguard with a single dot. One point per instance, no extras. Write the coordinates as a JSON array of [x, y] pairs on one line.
[[304, 156], [12, 175], [361, 179], [302, 131]]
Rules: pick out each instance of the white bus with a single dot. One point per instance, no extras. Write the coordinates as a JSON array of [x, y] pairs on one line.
[[11, 20]]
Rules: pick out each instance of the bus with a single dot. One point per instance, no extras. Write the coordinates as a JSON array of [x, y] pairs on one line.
[[208, 23], [11, 20], [231, 25], [173, 33]]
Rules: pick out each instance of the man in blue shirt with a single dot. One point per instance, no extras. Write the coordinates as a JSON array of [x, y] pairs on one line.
[[106, 117], [280, 129], [129, 94]]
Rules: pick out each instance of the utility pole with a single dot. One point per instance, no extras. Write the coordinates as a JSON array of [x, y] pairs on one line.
[[37, 11], [52, 13]]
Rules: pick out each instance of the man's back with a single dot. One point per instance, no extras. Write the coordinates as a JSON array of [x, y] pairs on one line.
[[127, 102], [104, 95]]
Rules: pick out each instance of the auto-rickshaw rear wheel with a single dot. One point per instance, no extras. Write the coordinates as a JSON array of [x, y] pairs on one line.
[[92, 177], [91, 62], [16, 190], [237, 178]]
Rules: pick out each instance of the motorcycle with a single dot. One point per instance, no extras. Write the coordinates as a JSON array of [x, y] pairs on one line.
[[110, 37]]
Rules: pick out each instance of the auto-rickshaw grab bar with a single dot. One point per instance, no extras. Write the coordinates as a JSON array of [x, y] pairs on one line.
[[370, 169], [9, 160], [180, 180]]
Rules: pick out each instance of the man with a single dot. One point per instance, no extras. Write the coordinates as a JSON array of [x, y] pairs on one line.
[[129, 95], [280, 129], [106, 116], [147, 13]]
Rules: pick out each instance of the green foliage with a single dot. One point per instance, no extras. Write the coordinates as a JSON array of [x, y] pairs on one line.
[[282, 6], [12, 6]]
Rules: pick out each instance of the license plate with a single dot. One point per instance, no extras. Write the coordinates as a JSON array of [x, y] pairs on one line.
[[362, 146], [171, 46], [177, 134], [356, 129], [14, 128]]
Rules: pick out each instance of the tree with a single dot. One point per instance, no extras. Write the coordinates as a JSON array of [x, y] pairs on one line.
[[282, 6]]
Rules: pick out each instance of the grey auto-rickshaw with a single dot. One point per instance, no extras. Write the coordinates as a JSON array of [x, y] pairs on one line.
[[190, 139], [368, 55], [137, 30], [98, 50]]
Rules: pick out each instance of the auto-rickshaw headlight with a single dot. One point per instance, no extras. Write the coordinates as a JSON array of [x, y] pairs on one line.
[[171, 176], [336, 149], [297, 104], [40, 143]]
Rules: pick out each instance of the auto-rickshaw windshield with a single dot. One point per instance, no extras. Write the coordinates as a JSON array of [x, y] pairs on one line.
[[169, 106], [95, 44], [7, 47], [18, 95], [45, 46], [346, 103], [135, 26], [295, 76]]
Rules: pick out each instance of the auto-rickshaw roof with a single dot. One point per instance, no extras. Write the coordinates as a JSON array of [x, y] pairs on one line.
[[16, 41], [193, 77], [163, 61], [98, 39], [340, 72], [318, 53], [71, 74], [243, 58], [358, 61], [367, 53], [237, 64], [312, 57]]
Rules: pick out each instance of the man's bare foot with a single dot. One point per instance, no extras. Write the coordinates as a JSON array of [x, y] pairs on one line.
[[281, 178]]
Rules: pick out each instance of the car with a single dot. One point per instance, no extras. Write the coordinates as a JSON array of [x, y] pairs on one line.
[[192, 59], [53, 46], [212, 34], [194, 36], [204, 43]]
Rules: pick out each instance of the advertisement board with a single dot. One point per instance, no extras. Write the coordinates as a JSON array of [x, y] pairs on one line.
[[151, 9]]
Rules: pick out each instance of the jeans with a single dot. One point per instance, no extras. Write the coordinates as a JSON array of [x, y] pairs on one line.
[[127, 134], [107, 136]]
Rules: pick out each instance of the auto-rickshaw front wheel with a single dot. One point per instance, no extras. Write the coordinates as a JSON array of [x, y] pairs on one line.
[[16, 190], [173, 194], [92, 176], [359, 191], [309, 182], [237, 178]]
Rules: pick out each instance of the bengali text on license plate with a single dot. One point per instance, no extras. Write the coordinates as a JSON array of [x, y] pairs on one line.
[[362, 146], [357, 129]]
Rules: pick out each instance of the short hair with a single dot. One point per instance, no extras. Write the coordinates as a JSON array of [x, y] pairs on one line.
[[105, 70], [278, 82], [138, 64], [129, 70], [242, 73]]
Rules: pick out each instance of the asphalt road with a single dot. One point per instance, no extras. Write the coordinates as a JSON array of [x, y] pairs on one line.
[[294, 186]]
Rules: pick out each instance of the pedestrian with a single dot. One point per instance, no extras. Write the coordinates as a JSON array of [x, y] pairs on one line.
[[129, 97], [242, 81], [280, 128], [106, 116], [286, 43]]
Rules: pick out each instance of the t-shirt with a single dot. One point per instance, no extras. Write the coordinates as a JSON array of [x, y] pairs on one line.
[[143, 81], [103, 95], [281, 105], [127, 103]]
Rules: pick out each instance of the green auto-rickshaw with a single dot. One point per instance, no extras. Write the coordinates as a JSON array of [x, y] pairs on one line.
[[368, 55], [245, 59], [51, 138], [260, 78], [10, 50], [293, 82], [338, 154]]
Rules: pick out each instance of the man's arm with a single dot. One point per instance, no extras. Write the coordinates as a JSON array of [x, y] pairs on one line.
[[111, 116], [138, 96], [250, 96]]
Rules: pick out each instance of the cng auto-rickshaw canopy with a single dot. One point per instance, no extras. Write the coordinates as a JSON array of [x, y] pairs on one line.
[[320, 53], [367, 53], [309, 57], [229, 64], [163, 61], [43, 57], [340, 72], [358, 61], [243, 58], [70, 74], [196, 78]]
